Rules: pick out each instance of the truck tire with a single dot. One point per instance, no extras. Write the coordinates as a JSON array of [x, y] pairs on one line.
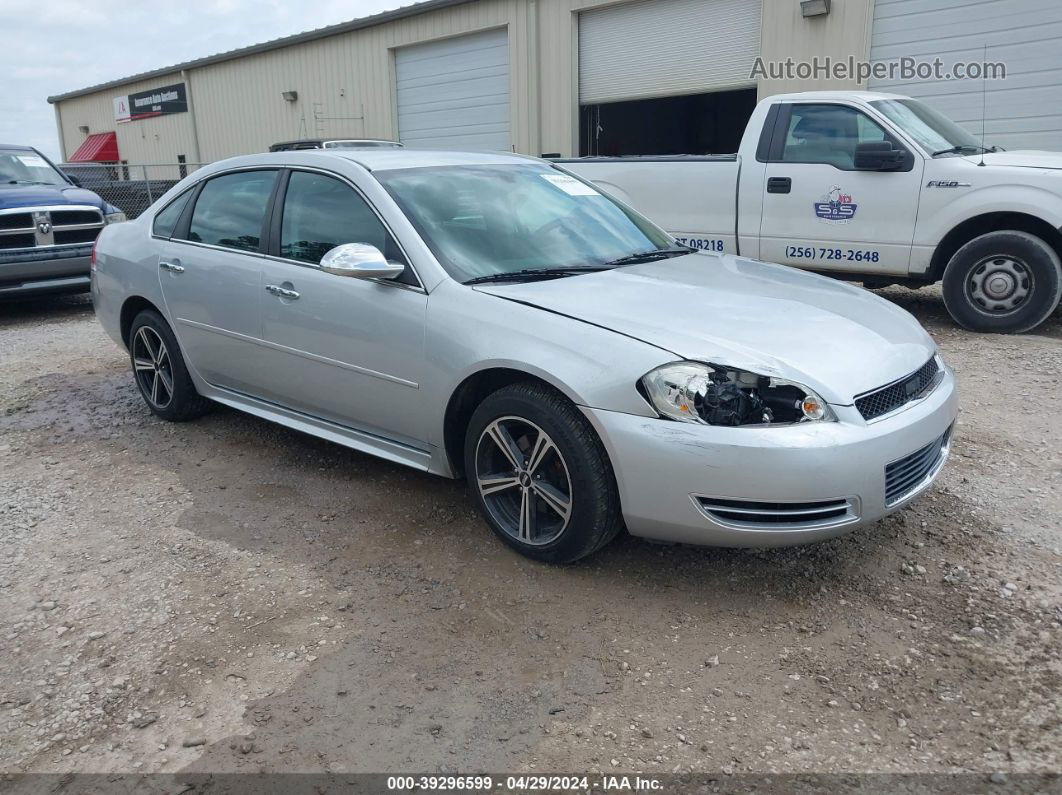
[[1004, 282]]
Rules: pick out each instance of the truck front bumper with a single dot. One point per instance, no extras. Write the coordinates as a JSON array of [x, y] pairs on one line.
[[42, 271], [763, 487]]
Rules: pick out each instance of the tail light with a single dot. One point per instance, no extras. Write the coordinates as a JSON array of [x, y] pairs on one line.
[[92, 256]]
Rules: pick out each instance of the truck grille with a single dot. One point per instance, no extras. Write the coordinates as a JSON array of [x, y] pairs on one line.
[[16, 221], [889, 398], [783, 515], [46, 227], [905, 476]]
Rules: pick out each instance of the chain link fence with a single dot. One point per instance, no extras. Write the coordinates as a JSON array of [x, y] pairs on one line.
[[130, 188]]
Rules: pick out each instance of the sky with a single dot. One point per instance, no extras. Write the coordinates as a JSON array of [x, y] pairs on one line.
[[53, 46]]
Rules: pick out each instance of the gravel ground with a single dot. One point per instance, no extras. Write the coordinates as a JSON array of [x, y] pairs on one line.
[[228, 595]]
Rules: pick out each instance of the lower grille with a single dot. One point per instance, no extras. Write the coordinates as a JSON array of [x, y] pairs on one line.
[[20, 240], [749, 513], [66, 237], [906, 475], [887, 398]]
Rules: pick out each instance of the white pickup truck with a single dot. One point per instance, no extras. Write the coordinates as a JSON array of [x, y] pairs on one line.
[[878, 188]]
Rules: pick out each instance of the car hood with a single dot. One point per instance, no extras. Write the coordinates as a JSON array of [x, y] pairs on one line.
[[1027, 158], [837, 339], [15, 196]]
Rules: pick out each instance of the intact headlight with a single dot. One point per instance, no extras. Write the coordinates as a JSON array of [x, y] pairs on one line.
[[714, 395], [114, 218]]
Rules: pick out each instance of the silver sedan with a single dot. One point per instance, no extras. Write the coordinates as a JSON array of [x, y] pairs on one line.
[[493, 317]]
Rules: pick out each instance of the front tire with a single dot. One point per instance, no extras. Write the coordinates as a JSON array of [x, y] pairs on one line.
[[540, 475], [1003, 282], [160, 372]]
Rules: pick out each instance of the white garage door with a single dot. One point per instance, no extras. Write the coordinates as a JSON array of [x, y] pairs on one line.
[[658, 48], [454, 93], [1024, 111]]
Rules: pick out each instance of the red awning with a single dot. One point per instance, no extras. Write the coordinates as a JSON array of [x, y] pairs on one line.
[[97, 148]]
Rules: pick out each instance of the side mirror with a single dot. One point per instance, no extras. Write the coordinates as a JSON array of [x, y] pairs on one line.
[[75, 180], [878, 156], [360, 261]]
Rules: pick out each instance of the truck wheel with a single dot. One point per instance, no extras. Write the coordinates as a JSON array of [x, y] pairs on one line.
[[540, 475], [1003, 282]]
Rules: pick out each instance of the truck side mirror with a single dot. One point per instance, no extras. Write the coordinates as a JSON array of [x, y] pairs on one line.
[[74, 180], [878, 156]]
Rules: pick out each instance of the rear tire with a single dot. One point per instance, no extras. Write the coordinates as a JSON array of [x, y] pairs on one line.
[[160, 372], [540, 475], [1005, 282]]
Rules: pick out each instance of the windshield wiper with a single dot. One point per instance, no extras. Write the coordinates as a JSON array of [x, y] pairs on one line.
[[960, 148], [650, 256], [529, 274]]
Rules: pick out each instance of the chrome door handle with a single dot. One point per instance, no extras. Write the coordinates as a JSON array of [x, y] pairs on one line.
[[172, 267], [281, 292]]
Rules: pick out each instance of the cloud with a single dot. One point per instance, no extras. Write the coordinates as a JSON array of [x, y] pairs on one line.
[[65, 45]]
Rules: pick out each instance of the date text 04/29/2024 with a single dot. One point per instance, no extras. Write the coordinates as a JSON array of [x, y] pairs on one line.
[[523, 783]]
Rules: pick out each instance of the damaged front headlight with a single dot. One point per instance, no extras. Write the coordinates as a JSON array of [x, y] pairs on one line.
[[716, 395]]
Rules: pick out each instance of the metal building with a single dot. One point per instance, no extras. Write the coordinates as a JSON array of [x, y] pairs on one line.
[[558, 76]]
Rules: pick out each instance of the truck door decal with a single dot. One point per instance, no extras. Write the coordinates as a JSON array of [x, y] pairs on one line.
[[835, 206]]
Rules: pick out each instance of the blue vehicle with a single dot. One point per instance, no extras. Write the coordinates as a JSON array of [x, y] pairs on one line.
[[48, 225]]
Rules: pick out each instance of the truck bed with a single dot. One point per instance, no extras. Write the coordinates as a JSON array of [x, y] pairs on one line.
[[697, 194]]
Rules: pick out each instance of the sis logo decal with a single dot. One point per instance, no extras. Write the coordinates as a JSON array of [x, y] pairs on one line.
[[836, 206]]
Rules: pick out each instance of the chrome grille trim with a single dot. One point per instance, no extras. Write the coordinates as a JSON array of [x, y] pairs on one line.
[[28, 228], [764, 515], [913, 386]]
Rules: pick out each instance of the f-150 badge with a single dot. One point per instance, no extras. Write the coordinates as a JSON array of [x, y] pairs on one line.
[[836, 206]]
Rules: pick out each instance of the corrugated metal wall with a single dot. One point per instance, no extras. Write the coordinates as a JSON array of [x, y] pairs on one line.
[[156, 140], [345, 82], [1024, 111]]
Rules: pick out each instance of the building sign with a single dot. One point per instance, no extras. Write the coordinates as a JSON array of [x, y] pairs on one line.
[[121, 109], [156, 102]]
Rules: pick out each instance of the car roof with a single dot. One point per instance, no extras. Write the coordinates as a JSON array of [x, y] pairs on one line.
[[20, 147], [384, 159], [370, 159]]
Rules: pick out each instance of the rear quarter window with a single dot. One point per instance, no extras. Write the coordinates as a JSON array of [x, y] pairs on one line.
[[166, 220]]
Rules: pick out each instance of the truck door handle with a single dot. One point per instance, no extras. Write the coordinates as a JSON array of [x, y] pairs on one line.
[[172, 267], [779, 184], [281, 292]]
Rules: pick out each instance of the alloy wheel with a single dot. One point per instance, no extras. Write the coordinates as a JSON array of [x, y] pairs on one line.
[[154, 370], [524, 480]]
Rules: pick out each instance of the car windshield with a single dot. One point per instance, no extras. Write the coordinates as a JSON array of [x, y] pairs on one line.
[[933, 131], [482, 221], [26, 167]]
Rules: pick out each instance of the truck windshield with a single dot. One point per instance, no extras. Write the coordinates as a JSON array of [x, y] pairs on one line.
[[933, 131], [26, 167], [490, 220]]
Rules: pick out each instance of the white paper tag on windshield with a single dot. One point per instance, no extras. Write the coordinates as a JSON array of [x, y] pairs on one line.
[[570, 185], [33, 161]]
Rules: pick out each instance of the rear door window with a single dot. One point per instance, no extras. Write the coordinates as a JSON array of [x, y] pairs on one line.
[[231, 209]]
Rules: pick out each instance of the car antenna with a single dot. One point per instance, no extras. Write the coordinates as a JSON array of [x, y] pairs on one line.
[[984, 97]]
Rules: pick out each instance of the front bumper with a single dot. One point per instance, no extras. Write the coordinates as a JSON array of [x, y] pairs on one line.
[[671, 475], [60, 269]]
